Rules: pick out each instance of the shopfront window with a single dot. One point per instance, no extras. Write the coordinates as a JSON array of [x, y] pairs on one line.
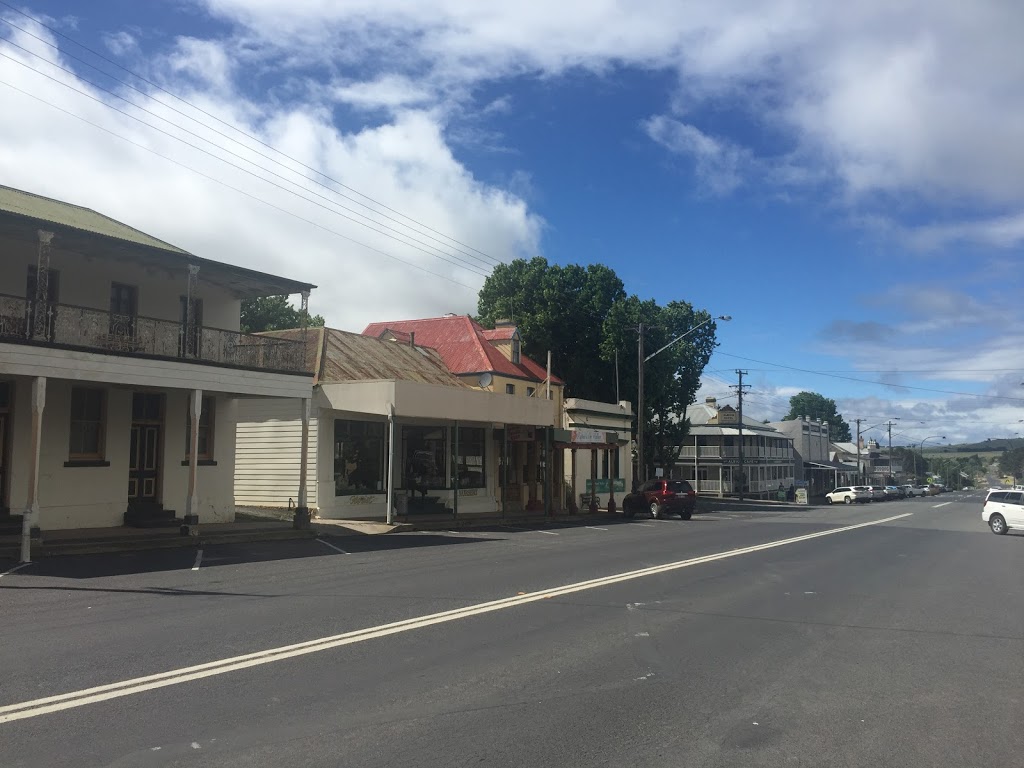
[[423, 456], [359, 461], [471, 458]]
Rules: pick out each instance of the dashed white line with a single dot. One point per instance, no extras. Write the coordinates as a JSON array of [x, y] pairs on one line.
[[326, 543], [49, 704], [199, 560], [594, 528], [644, 525], [549, 533], [12, 570], [943, 504]]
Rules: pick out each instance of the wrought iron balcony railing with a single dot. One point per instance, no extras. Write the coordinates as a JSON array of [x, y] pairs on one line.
[[22, 320]]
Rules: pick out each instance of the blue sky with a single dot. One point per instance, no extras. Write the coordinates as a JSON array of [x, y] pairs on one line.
[[846, 183]]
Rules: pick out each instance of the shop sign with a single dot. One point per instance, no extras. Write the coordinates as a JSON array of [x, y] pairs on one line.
[[602, 485], [518, 434], [801, 495], [588, 436]]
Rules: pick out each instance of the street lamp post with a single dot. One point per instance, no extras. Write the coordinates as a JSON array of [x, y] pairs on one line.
[[930, 437], [641, 359]]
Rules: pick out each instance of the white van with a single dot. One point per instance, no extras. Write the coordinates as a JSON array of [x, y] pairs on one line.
[[1003, 510]]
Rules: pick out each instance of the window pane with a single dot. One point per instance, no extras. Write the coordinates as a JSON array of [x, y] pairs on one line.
[[424, 457], [85, 437], [471, 457], [359, 463]]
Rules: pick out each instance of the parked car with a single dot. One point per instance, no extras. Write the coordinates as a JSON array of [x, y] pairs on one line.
[[848, 495], [662, 497], [919, 490], [878, 493], [1003, 510], [894, 492]]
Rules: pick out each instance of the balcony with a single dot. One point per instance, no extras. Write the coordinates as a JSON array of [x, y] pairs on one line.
[[93, 330]]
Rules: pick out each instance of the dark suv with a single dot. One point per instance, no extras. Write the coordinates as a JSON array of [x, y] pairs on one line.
[[662, 497]]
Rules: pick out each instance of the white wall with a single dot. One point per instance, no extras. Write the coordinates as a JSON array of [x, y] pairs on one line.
[[268, 452], [95, 497]]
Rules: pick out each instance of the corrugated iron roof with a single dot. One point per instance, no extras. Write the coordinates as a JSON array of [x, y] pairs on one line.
[[344, 356], [58, 212], [505, 333], [71, 220], [463, 345]]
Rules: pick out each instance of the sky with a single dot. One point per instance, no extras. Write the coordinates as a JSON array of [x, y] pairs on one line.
[[845, 181]]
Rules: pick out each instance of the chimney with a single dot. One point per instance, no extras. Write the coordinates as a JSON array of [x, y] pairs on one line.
[[713, 402], [504, 323], [412, 339]]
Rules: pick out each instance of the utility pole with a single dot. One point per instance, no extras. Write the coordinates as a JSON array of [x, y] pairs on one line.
[[739, 391], [860, 468], [889, 426], [641, 468]]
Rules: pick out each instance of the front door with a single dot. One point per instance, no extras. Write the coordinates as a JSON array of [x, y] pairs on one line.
[[5, 415], [144, 459]]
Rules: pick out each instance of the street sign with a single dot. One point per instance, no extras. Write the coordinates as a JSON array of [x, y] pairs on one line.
[[588, 436]]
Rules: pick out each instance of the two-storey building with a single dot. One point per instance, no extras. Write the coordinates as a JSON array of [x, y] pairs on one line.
[[121, 363]]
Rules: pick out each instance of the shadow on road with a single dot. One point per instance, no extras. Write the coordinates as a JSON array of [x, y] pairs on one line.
[[95, 566]]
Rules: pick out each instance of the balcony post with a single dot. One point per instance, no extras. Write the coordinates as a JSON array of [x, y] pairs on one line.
[[30, 519], [190, 525], [41, 301], [190, 346]]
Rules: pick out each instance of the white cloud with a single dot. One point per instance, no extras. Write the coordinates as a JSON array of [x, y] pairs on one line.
[[389, 91], [719, 164], [915, 100], [120, 43], [405, 163]]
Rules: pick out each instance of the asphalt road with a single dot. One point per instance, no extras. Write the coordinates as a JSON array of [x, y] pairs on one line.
[[732, 639]]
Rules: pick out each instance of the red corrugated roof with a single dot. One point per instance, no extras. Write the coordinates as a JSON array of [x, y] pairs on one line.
[[500, 334], [464, 346]]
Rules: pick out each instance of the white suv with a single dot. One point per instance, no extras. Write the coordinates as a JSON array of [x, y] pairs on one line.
[[1003, 510], [846, 495]]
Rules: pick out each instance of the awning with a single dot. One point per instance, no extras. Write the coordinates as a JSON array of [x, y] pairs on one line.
[[833, 467]]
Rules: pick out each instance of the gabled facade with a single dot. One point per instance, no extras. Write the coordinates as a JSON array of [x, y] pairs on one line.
[[121, 364]]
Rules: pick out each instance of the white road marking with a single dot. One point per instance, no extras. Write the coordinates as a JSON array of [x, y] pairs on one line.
[[199, 560], [644, 525], [943, 504], [549, 533], [326, 543], [43, 706], [12, 570], [594, 528]]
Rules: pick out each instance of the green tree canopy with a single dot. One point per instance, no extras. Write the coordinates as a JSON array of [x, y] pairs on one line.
[[561, 310], [1011, 462], [815, 406], [272, 313]]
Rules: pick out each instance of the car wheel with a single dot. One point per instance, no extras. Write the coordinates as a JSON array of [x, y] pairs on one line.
[[847, 500], [829, 500], [684, 515], [655, 509], [997, 524]]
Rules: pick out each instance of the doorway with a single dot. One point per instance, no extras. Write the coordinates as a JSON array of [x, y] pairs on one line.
[[144, 460], [5, 418]]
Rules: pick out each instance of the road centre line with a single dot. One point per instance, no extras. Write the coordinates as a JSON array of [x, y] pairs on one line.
[[326, 543], [594, 528], [943, 504], [50, 704], [199, 560]]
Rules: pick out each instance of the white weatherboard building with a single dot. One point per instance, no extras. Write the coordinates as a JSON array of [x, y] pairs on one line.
[[390, 424], [121, 366]]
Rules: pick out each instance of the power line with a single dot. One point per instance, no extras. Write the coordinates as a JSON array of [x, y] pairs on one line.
[[874, 383], [224, 123], [465, 265], [233, 188]]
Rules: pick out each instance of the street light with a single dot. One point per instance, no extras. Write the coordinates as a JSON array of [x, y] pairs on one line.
[[641, 467], [930, 437]]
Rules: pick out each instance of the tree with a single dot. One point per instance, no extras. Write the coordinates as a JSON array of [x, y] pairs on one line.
[[584, 317], [1012, 462], [561, 310], [272, 313], [671, 378], [815, 406]]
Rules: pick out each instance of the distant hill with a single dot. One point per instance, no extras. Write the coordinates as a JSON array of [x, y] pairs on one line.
[[996, 444]]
